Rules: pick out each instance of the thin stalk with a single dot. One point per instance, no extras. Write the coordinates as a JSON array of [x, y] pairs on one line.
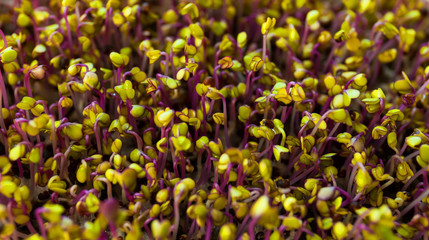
[[422, 88], [39, 220], [351, 179], [225, 127], [264, 49], [388, 183], [204, 122], [243, 224], [2, 125], [183, 164], [119, 75], [331, 134], [414, 203], [109, 186], [305, 35], [303, 175], [319, 122], [3, 89], [208, 229], [176, 214], [206, 169], [248, 90], [166, 63], [97, 136], [226, 176], [138, 139], [69, 37], [251, 228], [27, 84], [356, 224], [53, 135], [215, 76], [414, 177]]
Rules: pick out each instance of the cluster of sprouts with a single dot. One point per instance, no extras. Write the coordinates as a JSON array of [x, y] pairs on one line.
[[214, 119]]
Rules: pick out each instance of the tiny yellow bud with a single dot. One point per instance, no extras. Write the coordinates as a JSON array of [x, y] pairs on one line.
[[23, 20], [227, 231], [256, 63], [7, 188], [388, 55], [116, 146], [219, 118], [153, 55], [91, 80], [339, 231], [164, 117], [268, 25], [178, 45], [8, 55], [260, 206], [118, 60], [265, 169], [92, 203], [17, 152], [34, 155], [82, 173], [312, 17]]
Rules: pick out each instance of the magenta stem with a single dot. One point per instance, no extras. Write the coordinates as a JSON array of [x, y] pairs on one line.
[[225, 127], [40, 221], [97, 137], [69, 36], [183, 165], [3, 89], [27, 84], [252, 227], [208, 229]]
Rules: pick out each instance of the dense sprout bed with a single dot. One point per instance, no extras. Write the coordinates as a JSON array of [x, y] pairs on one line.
[[214, 119]]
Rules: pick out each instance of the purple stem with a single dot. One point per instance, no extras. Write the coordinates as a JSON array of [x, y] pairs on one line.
[[420, 172], [252, 227], [305, 35], [226, 176], [166, 63], [204, 122], [176, 214], [39, 219], [138, 139], [225, 128], [243, 224], [183, 164], [119, 75], [161, 87], [414, 202], [215, 76], [208, 229], [348, 198], [3, 87], [97, 137], [27, 84], [149, 233], [112, 228], [248, 90], [69, 37], [303, 175], [205, 169]]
